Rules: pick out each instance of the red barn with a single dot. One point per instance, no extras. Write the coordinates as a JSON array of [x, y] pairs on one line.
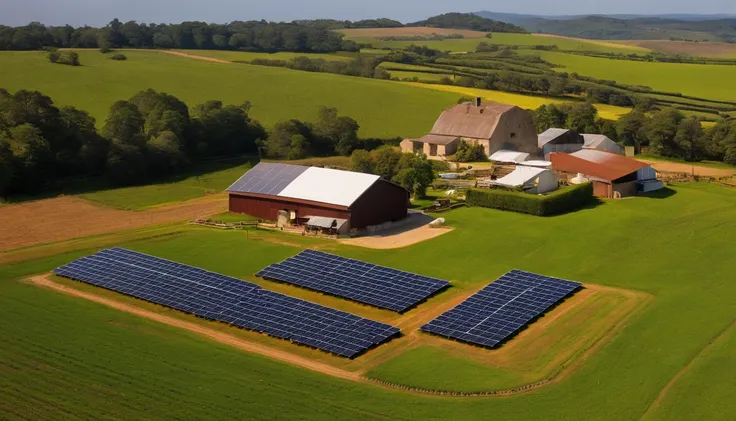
[[283, 193]]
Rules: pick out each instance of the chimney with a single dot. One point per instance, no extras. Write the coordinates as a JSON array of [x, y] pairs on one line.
[[477, 101]]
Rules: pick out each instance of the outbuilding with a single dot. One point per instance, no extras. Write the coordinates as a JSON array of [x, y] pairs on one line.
[[602, 143], [529, 179], [493, 125], [612, 175], [559, 140], [295, 194]]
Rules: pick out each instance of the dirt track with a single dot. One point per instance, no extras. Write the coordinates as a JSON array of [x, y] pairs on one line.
[[690, 169], [64, 218], [193, 56], [398, 240]]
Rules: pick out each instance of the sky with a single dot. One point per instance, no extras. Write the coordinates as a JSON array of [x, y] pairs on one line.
[[99, 12]]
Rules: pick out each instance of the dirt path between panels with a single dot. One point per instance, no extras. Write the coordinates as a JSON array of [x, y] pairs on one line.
[[64, 218], [193, 56], [223, 338]]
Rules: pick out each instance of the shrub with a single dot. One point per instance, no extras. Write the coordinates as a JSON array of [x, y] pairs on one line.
[[105, 50], [54, 56], [470, 152], [563, 200], [118, 57]]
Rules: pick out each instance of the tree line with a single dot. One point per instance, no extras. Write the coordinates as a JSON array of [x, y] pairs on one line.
[[150, 135], [666, 132], [412, 171], [259, 36]]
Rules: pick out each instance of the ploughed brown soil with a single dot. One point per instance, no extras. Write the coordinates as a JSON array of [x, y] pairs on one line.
[[64, 218], [698, 49]]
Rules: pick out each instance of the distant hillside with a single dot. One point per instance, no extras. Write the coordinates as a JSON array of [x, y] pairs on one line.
[[468, 21], [628, 27]]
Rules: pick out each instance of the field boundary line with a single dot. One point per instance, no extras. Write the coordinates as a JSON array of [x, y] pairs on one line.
[[224, 338], [663, 393], [566, 369], [44, 281]]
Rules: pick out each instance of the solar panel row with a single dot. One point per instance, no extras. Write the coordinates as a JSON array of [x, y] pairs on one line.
[[501, 308], [359, 281], [267, 178], [218, 297]]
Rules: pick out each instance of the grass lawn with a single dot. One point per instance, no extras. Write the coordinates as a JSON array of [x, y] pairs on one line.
[[276, 93], [63, 357], [700, 80]]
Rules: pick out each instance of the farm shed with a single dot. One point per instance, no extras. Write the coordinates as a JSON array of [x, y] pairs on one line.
[[530, 179], [509, 157], [612, 175], [494, 125], [602, 143], [294, 194], [559, 140]]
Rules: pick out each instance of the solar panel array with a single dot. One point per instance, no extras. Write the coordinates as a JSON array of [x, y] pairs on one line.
[[267, 178], [359, 281], [219, 297], [501, 308]]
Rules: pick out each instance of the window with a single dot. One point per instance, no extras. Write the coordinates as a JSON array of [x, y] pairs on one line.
[[513, 135]]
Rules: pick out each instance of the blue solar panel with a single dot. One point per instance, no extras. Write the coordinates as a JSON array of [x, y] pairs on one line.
[[359, 281], [267, 178], [501, 308], [218, 297]]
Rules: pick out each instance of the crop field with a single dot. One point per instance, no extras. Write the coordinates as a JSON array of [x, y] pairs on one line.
[[407, 31], [610, 112], [431, 77], [522, 40], [700, 80], [276, 93], [65, 356], [695, 49]]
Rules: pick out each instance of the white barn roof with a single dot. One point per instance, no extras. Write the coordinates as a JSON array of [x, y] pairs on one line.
[[329, 186], [520, 176], [323, 185], [508, 156]]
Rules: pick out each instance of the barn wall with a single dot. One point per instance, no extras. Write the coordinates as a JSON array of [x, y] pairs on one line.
[[515, 131], [602, 189], [626, 189], [267, 208], [383, 202]]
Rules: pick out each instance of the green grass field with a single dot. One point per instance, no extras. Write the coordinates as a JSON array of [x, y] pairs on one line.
[[522, 40], [699, 80], [276, 93], [431, 77], [63, 357], [248, 57]]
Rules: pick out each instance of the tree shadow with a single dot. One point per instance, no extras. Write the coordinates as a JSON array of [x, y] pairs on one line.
[[662, 193], [83, 185]]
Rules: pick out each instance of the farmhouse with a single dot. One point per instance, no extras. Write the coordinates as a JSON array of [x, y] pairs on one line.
[[494, 125], [612, 175], [559, 140], [317, 197], [529, 179], [602, 143]]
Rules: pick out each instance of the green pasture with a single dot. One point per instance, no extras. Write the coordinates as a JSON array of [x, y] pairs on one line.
[[421, 76], [708, 81], [198, 182], [64, 357], [248, 57], [383, 108], [522, 40]]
